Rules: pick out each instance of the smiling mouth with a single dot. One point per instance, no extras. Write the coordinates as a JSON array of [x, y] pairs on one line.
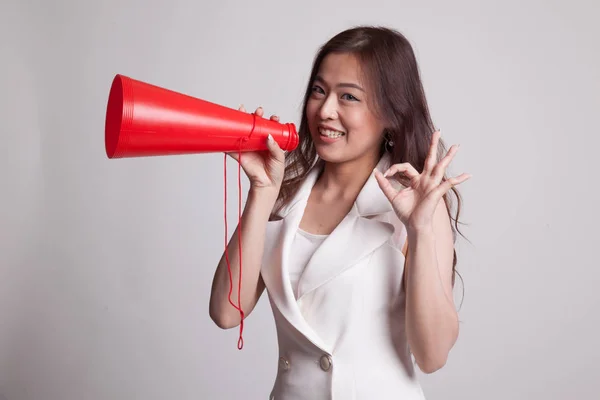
[[332, 134]]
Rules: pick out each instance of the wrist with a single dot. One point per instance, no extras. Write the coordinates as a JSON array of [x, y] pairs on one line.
[[419, 230], [266, 194]]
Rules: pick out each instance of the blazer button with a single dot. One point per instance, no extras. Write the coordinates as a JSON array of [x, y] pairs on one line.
[[325, 362], [284, 364]]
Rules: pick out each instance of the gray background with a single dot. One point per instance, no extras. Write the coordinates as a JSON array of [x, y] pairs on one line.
[[106, 264]]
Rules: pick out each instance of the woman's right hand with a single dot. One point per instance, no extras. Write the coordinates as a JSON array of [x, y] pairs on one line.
[[264, 169]]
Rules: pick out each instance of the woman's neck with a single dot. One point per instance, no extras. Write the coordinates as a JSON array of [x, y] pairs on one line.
[[345, 180]]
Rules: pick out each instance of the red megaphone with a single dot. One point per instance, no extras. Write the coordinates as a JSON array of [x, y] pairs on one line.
[[147, 120]]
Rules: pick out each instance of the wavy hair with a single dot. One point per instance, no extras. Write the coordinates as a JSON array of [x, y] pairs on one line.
[[390, 68]]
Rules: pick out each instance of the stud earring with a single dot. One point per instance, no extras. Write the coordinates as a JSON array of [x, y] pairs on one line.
[[389, 143]]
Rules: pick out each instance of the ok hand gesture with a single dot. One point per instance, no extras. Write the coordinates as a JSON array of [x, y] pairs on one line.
[[415, 205]]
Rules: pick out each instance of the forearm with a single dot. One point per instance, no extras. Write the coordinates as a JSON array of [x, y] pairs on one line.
[[431, 319], [253, 225]]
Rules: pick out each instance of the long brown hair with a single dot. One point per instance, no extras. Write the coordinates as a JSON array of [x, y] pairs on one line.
[[390, 68]]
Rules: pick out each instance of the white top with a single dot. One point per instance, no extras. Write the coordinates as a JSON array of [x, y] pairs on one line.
[[346, 339], [303, 247]]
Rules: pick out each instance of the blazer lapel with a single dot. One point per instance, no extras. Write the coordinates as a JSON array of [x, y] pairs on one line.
[[354, 238], [279, 237]]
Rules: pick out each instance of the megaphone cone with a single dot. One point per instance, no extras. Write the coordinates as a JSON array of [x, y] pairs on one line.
[[147, 120]]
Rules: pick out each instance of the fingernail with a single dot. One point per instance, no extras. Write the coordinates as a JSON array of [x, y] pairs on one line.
[[270, 138]]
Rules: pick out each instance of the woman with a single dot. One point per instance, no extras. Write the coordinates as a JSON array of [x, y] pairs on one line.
[[348, 233]]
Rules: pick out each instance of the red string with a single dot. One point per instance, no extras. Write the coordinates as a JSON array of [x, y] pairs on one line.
[[239, 306]]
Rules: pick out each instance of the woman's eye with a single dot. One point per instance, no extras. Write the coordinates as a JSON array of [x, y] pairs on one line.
[[317, 89], [348, 96]]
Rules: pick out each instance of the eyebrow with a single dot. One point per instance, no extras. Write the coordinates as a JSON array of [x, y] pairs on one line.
[[343, 84]]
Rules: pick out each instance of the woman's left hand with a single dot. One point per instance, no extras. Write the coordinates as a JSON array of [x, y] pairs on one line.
[[416, 203]]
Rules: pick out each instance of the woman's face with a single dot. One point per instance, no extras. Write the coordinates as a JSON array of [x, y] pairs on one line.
[[342, 126]]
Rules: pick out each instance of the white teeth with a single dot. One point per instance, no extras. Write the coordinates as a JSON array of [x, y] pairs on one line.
[[331, 134]]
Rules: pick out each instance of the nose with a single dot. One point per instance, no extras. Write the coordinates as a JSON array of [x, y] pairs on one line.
[[328, 109]]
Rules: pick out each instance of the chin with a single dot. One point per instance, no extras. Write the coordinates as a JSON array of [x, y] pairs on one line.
[[332, 155], [342, 154]]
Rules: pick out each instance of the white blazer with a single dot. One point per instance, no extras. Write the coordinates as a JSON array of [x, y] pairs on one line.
[[344, 338]]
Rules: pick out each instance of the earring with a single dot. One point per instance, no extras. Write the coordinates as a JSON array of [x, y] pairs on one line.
[[389, 143]]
